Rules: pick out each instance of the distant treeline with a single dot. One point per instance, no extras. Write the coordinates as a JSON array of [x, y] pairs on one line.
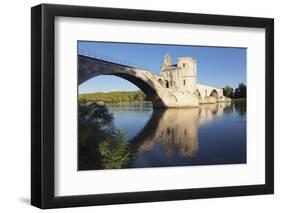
[[139, 96], [239, 92], [112, 97]]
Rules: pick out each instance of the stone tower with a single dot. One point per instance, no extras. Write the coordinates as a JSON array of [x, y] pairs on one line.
[[167, 62], [180, 77], [188, 74]]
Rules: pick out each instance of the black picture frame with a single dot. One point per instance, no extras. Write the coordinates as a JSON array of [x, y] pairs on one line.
[[43, 117]]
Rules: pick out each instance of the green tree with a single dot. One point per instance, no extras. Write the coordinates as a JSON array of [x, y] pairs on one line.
[[228, 91], [115, 155], [241, 91], [101, 145]]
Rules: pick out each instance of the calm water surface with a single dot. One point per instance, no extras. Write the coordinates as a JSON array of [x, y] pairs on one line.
[[210, 134]]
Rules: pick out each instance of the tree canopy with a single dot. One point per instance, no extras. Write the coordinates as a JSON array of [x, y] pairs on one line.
[[239, 92], [101, 145]]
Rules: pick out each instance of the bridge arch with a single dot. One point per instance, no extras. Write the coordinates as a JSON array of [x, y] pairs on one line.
[[214, 93], [91, 67], [198, 93], [200, 97]]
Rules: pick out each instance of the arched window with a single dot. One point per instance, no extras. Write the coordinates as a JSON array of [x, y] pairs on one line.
[[167, 84], [160, 81], [184, 82], [198, 93]]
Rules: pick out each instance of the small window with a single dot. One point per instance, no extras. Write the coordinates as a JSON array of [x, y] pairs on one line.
[[183, 64], [167, 84], [183, 82]]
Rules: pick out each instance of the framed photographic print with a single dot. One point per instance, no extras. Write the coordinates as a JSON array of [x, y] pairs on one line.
[[139, 106]]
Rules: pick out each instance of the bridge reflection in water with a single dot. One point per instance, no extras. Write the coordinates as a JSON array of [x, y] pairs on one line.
[[177, 129]]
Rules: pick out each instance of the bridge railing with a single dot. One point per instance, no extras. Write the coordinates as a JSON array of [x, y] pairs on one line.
[[95, 55]]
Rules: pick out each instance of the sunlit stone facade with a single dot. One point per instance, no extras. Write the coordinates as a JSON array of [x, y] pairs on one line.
[[182, 76], [181, 79]]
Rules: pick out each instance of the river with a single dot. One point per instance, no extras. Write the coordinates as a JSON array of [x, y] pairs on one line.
[[134, 135], [209, 135]]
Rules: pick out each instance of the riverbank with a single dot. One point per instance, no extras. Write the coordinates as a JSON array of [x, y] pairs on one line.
[[238, 99]]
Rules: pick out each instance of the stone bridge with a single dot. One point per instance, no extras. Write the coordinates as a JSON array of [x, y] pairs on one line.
[[151, 84], [209, 94]]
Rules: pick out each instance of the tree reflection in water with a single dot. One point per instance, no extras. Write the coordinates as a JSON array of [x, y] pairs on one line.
[[240, 107]]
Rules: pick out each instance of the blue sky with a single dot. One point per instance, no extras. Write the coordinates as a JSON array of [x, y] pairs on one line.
[[217, 66]]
